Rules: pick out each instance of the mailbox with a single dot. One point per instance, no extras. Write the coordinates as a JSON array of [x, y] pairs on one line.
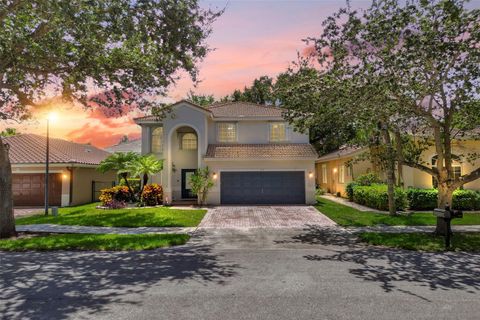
[[442, 213], [444, 218]]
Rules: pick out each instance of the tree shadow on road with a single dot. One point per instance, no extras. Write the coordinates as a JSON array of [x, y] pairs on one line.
[[390, 267], [52, 285]]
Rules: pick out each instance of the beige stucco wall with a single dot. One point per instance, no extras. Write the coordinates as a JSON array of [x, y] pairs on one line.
[[308, 166], [82, 181], [411, 177], [183, 159]]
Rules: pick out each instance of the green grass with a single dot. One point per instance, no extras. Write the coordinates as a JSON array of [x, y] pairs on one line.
[[350, 217], [87, 215], [423, 241], [115, 242]]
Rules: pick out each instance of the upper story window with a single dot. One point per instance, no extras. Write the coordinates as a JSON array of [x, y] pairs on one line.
[[227, 132], [189, 141], [278, 131], [157, 140]]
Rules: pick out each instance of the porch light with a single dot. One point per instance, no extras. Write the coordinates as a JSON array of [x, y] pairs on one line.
[[334, 170], [214, 176], [310, 174], [64, 176]]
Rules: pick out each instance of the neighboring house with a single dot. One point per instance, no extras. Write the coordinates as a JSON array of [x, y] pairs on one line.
[[73, 178], [333, 171], [131, 145], [253, 155]]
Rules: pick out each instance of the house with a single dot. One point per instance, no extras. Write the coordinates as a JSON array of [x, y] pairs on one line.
[[127, 146], [73, 178], [335, 170], [253, 155]]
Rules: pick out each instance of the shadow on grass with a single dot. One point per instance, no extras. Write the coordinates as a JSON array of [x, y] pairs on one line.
[[55, 285], [390, 267]]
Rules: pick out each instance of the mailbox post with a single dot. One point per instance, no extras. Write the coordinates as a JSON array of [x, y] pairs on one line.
[[444, 220]]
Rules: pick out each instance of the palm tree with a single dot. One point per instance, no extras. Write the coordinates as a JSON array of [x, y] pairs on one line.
[[120, 162], [145, 166]]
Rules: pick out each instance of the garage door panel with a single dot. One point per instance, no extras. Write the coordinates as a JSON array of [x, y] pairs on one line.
[[29, 189], [263, 187]]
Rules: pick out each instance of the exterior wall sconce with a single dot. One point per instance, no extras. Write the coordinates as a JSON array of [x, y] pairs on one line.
[[310, 174], [64, 176], [334, 170], [214, 176]]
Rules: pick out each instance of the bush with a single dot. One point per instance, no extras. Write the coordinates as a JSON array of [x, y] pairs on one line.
[[152, 195], [319, 192], [115, 204], [117, 193], [349, 189], [367, 179], [422, 199], [466, 200], [426, 199], [133, 182], [376, 196]]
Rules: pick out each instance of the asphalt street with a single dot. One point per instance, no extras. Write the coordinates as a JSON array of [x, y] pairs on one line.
[[225, 274]]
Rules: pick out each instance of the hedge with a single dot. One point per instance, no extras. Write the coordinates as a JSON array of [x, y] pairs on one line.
[[426, 199], [376, 196]]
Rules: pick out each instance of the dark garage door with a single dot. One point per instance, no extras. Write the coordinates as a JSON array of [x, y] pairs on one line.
[[262, 187], [29, 189]]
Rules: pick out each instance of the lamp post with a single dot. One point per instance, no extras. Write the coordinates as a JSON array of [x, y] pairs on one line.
[[50, 117]]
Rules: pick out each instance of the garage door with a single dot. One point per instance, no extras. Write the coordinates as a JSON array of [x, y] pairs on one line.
[[29, 189], [262, 187]]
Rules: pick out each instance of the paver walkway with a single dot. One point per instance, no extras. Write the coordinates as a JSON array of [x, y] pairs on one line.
[[248, 217], [354, 205], [56, 228]]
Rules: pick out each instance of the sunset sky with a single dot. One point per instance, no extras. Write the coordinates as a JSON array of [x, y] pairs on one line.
[[251, 39]]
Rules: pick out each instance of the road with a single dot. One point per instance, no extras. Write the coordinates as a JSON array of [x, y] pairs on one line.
[[276, 274]]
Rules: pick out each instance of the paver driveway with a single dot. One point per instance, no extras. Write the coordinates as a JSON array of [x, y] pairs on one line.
[[248, 217]]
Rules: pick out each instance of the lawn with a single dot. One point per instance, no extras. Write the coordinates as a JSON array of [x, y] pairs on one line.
[[423, 241], [350, 217], [88, 215], [112, 242]]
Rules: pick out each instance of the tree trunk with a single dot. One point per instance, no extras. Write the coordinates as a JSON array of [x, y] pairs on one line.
[[390, 170], [445, 195], [132, 195], [7, 220]]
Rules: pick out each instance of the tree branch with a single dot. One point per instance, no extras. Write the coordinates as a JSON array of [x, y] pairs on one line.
[[475, 174], [9, 9], [431, 171]]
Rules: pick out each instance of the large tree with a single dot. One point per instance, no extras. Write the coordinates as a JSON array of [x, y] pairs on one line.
[[419, 61], [98, 52]]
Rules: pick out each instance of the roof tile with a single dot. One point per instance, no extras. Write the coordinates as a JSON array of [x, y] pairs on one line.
[[261, 151]]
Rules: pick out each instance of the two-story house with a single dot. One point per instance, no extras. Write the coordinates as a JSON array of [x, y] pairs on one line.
[[254, 156]]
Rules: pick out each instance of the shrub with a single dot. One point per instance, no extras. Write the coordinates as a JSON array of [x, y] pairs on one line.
[[117, 193], [319, 192], [426, 199], [376, 196], [152, 195], [133, 182], [349, 189], [466, 200], [367, 179], [422, 199]]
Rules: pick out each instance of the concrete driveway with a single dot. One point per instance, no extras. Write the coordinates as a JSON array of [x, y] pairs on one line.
[[271, 217]]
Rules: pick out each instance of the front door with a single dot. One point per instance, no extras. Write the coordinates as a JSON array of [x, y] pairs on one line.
[[186, 189]]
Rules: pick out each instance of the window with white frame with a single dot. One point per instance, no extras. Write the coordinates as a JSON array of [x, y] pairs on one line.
[[227, 132], [157, 140], [341, 174], [278, 131], [324, 173], [189, 141]]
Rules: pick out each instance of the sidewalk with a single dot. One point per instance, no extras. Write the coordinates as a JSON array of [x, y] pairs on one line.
[[56, 228], [347, 203], [410, 229]]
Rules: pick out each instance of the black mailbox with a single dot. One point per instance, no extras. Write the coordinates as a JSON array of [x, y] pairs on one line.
[[444, 218], [442, 213]]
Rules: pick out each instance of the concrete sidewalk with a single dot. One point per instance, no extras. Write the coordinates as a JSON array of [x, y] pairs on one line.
[[56, 228], [410, 229]]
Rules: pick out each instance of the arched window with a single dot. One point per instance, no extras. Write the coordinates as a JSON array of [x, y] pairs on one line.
[[157, 140], [456, 166], [189, 141]]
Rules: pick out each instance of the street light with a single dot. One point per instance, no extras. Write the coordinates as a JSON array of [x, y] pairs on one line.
[[50, 117]]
